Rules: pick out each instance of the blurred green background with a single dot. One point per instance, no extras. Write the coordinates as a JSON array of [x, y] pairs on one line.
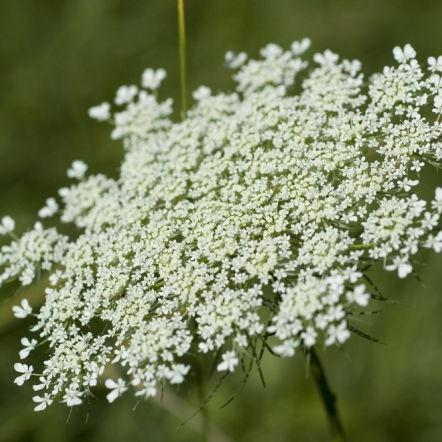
[[59, 57]]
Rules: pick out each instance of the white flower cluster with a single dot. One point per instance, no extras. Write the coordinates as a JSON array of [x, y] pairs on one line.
[[250, 222]]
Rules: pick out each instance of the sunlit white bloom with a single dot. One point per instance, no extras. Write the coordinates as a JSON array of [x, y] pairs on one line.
[[43, 402], [404, 54], [309, 337], [100, 112], [44, 384], [229, 362], [118, 388], [437, 202], [201, 93], [151, 78], [125, 94], [337, 334], [352, 66], [299, 47], [359, 295], [326, 58], [437, 104], [417, 165], [177, 372], [26, 373], [7, 225], [29, 345], [90, 379], [72, 398], [271, 51], [402, 266], [408, 184], [286, 349], [77, 170], [234, 61], [148, 390], [435, 242], [50, 209], [435, 64], [22, 310]]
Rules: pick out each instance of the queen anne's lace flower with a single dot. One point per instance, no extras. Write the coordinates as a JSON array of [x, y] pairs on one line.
[[251, 222]]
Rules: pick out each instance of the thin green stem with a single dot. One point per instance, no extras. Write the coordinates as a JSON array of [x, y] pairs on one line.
[[327, 396], [205, 418], [182, 55]]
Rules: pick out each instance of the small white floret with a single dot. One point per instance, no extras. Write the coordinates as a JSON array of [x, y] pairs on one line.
[[177, 372], [100, 112], [22, 310], [151, 78], [234, 61], [434, 242], [437, 202], [229, 362], [117, 388], [299, 47], [435, 64], [125, 94], [72, 398], [77, 170], [287, 349], [26, 373], [50, 209], [358, 296], [337, 334], [309, 337], [7, 225], [327, 58], [437, 104], [29, 345], [404, 54], [201, 93], [402, 266], [43, 402]]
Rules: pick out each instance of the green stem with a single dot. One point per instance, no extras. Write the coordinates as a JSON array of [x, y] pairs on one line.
[[205, 419], [182, 55], [327, 396]]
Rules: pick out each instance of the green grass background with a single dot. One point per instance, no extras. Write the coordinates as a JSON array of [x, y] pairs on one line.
[[59, 57]]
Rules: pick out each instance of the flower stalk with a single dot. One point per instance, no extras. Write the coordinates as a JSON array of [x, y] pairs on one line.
[[182, 56], [205, 418], [327, 396]]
